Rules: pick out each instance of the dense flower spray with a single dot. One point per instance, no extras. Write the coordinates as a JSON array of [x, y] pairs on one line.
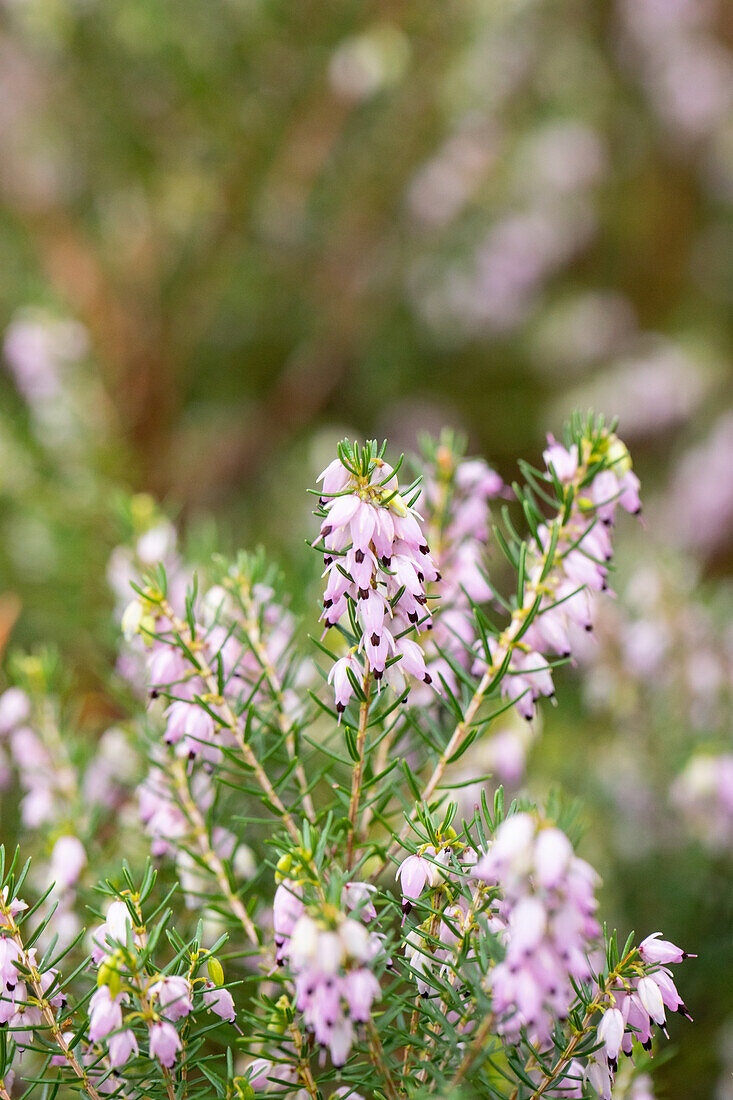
[[566, 565], [547, 907], [378, 565], [404, 946], [455, 496]]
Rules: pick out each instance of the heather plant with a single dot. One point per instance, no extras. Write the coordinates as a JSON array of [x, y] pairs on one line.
[[298, 898]]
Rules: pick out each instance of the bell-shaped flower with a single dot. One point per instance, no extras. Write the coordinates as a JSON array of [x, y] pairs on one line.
[[611, 1033], [220, 1001], [164, 1043], [122, 1046], [173, 993], [656, 950]]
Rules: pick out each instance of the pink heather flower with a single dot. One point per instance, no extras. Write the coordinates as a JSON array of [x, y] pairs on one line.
[[413, 660], [105, 1014], [15, 709], [553, 853], [122, 1046], [68, 860], [600, 1078], [360, 989], [174, 996], [611, 1033], [166, 666], [189, 721], [668, 990], [23, 1024], [655, 950], [651, 1000], [547, 908], [13, 998], [563, 461], [164, 1043], [414, 873], [263, 1074], [9, 955], [287, 908], [378, 562], [342, 686], [358, 895], [340, 1040], [112, 932], [511, 850], [219, 1001]]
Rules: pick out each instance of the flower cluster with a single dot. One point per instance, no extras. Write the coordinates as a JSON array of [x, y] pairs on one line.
[[498, 932], [569, 563], [45, 775], [378, 563], [19, 1008], [547, 909], [237, 628], [332, 956], [164, 999], [454, 499], [638, 1005]]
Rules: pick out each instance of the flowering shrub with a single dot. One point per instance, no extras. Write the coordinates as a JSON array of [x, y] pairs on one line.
[[320, 912]]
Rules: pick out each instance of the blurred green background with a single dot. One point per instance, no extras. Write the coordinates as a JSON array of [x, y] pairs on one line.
[[234, 230]]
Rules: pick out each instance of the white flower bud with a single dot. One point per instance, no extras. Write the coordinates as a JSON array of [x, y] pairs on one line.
[[132, 617], [304, 941], [651, 999]]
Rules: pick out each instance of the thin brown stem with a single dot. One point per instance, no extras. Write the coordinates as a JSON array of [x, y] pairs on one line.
[[229, 719], [209, 856], [468, 927], [304, 1070], [376, 1053], [414, 1020], [506, 643], [474, 1049], [252, 630], [136, 979]]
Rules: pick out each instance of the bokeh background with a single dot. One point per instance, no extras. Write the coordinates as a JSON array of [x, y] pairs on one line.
[[233, 231]]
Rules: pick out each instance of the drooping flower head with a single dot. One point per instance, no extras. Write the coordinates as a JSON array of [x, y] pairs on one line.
[[377, 566], [548, 906], [566, 563]]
